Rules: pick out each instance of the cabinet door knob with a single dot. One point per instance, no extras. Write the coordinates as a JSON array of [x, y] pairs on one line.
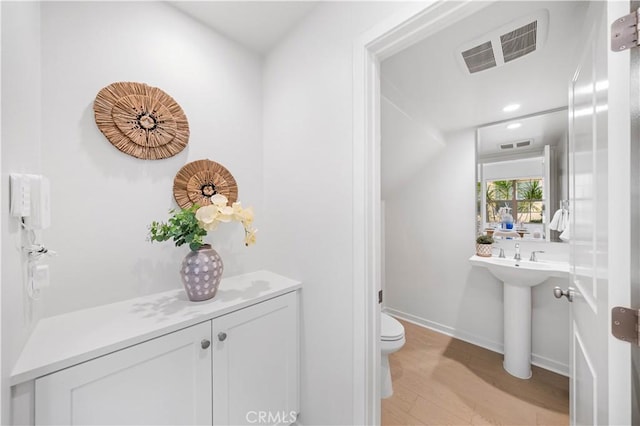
[[222, 336], [205, 343]]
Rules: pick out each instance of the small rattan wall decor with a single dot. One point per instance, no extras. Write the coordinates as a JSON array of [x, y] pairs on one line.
[[141, 120], [200, 180]]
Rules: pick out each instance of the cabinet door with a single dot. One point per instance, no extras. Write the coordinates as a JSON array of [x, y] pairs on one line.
[[255, 364], [166, 380]]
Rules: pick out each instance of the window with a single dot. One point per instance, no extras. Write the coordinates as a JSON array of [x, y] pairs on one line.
[[524, 196]]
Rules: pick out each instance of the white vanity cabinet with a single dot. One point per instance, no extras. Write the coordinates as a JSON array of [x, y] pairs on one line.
[[165, 381], [234, 360], [255, 367]]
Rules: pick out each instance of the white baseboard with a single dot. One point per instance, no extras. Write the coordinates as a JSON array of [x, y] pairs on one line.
[[537, 360], [550, 364]]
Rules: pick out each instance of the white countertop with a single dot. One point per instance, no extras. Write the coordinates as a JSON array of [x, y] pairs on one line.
[[62, 341]]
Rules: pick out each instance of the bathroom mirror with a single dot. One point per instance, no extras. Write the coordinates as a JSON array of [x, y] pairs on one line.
[[522, 177]]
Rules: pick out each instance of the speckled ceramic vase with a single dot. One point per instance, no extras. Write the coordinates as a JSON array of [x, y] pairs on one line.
[[201, 273]]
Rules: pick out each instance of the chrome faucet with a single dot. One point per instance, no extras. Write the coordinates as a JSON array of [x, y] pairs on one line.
[[517, 255], [533, 257]]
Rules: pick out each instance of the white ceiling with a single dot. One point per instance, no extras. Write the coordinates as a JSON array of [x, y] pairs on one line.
[[450, 98], [546, 129], [257, 25]]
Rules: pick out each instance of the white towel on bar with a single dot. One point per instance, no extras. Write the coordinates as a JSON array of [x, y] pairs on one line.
[[564, 220], [555, 222], [560, 220], [566, 234]]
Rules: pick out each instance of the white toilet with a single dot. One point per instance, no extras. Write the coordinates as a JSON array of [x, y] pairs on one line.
[[391, 340]]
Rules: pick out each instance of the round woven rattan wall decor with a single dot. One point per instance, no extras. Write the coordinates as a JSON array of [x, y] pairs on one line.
[[200, 180], [141, 120]]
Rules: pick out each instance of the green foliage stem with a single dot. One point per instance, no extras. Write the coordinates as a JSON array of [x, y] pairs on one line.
[[182, 227]]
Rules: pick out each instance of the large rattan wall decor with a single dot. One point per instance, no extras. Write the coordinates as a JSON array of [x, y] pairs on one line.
[[141, 120], [200, 180]]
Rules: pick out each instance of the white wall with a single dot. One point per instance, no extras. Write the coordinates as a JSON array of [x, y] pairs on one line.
[[103, 200], [408, 141], [308, 127], [55, 59], [20, 152], [429, 238]]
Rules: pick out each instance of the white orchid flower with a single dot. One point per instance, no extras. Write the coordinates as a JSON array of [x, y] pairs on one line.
[[250, 237], [225, 214], [247, 216], [219, 200], [219, 211], [207, 214]]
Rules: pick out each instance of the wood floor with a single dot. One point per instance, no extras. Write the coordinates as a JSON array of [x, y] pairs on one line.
[[439, 380]]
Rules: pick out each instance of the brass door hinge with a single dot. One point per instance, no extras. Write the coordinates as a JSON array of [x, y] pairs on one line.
[[625, 324], [624, 32]]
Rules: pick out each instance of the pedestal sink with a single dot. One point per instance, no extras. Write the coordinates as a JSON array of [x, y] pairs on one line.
[[518, 277]]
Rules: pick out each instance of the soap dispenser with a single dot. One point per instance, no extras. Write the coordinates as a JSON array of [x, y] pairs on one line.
[[506, 219]]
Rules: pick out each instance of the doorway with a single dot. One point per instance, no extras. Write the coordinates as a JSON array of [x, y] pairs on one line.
[[390, 37]]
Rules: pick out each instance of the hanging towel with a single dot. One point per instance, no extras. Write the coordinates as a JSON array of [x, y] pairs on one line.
[[564, 220], [560, 220], [557, 218], [566, 234]]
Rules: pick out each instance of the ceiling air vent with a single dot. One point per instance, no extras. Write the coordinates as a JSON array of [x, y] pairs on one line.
[[505, 44], [479, 58], [516, 145], [519, 42]]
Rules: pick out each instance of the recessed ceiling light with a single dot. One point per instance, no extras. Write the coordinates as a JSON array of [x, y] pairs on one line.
[[514, 126], [511, 107]]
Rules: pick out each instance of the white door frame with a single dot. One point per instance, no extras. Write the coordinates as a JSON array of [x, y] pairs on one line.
[[619, 218], [390, 36], [4, 418], [385, 39]]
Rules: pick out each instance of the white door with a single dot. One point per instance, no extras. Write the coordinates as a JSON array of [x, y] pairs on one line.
[[255, 364], [165, 381], [589, 223], [600, 392]]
